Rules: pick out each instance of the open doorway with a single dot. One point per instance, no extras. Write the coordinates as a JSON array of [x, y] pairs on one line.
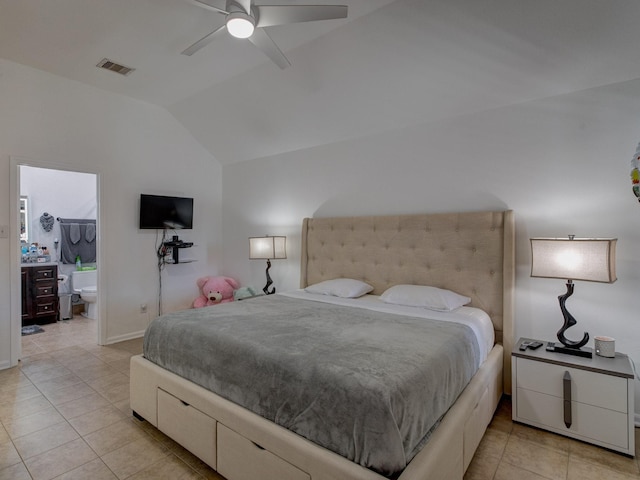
[[58, 222]]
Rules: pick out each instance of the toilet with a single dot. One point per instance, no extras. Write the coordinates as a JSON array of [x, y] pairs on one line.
[[84, 284]]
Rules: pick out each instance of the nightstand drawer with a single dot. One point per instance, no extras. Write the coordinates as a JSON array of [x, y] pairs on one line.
[[588, 423], [587, 387]]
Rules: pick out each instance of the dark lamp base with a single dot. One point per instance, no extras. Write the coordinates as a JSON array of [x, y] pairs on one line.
[[578, 352]]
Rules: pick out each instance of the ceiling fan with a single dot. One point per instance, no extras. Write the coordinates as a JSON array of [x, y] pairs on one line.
[[243, 19]]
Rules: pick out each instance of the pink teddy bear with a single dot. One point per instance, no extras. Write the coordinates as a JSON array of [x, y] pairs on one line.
[[215, 290]]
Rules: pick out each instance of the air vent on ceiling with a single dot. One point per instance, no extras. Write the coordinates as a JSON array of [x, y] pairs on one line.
[[114, 67]]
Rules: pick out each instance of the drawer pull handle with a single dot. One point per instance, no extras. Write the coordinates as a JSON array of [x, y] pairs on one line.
[[184, 403], [258, 446], [566, 384]]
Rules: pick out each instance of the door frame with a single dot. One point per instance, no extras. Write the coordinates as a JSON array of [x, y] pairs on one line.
[[15, 162]]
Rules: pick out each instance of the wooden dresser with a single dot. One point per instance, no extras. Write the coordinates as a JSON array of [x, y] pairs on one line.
[[39, 294]]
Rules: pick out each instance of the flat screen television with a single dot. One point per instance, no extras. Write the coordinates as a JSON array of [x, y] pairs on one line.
[[158, 212]]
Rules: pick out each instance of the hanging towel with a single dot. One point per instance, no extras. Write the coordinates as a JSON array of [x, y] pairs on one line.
[[70, 249], [74, 233], [90, 233]]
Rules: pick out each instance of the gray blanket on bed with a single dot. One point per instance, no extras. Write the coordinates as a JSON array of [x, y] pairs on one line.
[[364, 384]]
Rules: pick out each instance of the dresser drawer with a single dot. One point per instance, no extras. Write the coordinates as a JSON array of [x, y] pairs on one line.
[[587, 387], [187, 425], [44, 273], [241, 459], [44, 290], [589, 423], [45, 307]]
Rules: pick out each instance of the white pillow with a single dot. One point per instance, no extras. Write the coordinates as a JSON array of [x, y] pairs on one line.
[[423, 296], [340, 287]]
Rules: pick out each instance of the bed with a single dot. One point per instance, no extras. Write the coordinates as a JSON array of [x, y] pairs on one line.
[[469, 253]]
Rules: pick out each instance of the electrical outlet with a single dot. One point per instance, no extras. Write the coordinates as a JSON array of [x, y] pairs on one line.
[[4, 231], [143, 308]]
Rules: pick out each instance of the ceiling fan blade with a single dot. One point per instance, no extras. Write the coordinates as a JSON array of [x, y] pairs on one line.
[[209, 5], [263, 41], [204, 41], [269, 15]]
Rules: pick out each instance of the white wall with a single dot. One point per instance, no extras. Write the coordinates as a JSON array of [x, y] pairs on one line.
[[561, 163], [133, 147]]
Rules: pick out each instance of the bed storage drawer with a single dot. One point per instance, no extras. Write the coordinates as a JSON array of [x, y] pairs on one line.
[[241, 459], [187, 425]]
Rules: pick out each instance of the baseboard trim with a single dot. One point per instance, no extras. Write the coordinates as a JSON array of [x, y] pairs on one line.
[[5, 365], [125, 337]]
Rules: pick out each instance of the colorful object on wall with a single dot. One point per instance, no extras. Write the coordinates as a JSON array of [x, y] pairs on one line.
[[635, 173]]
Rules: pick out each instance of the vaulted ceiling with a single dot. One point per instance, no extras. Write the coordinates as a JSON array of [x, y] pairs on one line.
[[389, 65]]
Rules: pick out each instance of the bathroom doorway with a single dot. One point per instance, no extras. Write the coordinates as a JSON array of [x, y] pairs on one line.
[[48, 196]]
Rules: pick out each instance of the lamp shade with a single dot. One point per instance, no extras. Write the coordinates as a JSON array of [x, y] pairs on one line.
[[590, 259], [269, 247]]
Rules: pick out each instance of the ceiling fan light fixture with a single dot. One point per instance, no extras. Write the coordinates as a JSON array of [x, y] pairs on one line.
[[240, 25]]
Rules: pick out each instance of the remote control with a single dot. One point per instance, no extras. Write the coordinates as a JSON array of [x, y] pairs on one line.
[[535, 345], [524, 345]]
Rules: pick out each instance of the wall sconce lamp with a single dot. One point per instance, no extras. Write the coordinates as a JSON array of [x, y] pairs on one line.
[[267, 247], [590, 259]]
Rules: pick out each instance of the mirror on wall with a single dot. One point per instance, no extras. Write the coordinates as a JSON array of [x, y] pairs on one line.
[[24, 220]]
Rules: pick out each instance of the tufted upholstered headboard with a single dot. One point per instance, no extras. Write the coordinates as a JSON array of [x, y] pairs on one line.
[[471, 253]]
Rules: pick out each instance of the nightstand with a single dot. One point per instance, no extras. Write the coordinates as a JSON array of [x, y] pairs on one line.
[[590, 399]]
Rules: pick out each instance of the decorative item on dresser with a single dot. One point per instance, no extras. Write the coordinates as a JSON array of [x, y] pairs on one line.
[[267, 248], [590, 259], [590, 399], [471, 253], [39, 294]]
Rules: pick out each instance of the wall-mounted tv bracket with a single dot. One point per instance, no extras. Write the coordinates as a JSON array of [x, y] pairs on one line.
[[176, 244]]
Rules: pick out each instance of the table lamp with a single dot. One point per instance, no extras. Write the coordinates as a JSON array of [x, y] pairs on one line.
[[590, 259], [267, 247]]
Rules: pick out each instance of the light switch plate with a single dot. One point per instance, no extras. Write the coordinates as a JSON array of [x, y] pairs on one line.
[[4, 231]]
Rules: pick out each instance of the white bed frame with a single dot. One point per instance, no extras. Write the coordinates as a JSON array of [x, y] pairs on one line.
[[470, 253]]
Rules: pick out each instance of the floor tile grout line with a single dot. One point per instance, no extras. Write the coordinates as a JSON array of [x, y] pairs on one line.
[[571, 453], [502, 455], [24, 460], [147, 435], [609, 467], [77, 432]]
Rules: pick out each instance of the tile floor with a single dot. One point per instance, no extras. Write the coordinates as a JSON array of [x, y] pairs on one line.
[[64, 414], [512, 451]]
